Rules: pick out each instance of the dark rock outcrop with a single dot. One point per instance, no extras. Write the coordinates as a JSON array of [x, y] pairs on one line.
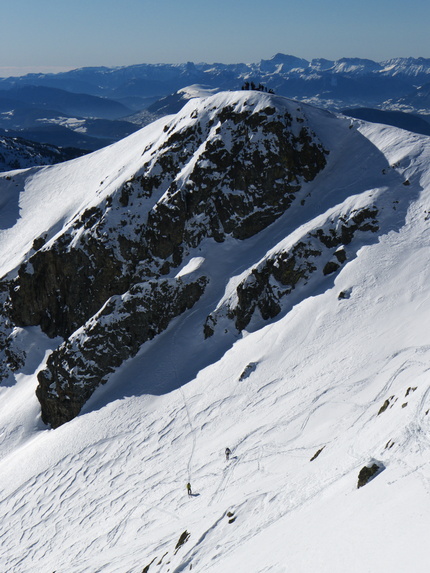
[[275, 277], [247, 167], [368, 473], [249, 369], [316, 454], [13, 355], [113, 335], [184, 537], [217, 171], [384, 407], [60, 288]]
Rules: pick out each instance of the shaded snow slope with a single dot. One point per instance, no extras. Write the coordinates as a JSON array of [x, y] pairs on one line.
[[342, 371]]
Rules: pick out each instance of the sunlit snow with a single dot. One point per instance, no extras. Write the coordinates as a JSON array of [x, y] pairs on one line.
[[106, 492]]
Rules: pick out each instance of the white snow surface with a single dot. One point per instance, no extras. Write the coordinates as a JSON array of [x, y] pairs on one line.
[[43, 201], [105, 493], [197, 90]]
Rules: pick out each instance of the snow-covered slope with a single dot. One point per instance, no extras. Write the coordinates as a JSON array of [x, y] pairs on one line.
[[305, 395]]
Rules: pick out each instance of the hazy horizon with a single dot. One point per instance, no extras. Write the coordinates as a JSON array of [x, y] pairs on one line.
[[6, 72], [52, 36]]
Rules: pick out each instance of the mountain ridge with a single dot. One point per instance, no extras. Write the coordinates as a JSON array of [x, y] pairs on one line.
[[306, 396], [299, 76], [138, 94]]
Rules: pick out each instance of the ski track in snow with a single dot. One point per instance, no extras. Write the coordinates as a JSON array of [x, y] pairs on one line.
[[106, 492], [96, 465]]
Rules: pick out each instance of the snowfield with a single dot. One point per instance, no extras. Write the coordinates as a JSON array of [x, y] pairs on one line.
[[339, 380]]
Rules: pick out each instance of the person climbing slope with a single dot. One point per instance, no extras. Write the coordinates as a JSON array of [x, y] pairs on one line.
[[227, 453], [189, 489]]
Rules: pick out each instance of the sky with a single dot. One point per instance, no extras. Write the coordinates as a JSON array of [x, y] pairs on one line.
[[55, 35]]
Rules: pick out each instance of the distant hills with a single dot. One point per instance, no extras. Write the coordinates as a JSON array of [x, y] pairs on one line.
[[135, 86], [70, 103], [93, 107], [400, 119], [18, 153], [61, 118]]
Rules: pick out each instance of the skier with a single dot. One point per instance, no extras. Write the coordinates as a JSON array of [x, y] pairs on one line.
[[189, 489], [227, 453]]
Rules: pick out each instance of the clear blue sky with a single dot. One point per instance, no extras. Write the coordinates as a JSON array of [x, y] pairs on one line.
[[55, 34]]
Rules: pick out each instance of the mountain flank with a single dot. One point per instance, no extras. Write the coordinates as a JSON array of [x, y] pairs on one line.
[[224, 168], [249, 275], [227, 168]]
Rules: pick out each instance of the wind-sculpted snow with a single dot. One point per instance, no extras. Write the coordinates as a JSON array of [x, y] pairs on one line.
[[318, 365]]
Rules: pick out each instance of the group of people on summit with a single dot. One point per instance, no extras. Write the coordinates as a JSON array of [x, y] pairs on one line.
[[227, 457]]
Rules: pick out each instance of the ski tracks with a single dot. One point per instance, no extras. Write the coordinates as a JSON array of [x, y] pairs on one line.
[[192, 434], [226, 477]]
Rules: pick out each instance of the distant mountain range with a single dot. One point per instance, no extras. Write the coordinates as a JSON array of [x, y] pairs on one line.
[[61, 118], [347, 79], [17, 153], [48, 98], [93, 107]]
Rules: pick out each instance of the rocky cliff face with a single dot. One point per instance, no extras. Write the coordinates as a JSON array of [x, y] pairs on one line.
[[216, 171], [318, 253], [225, 167], [227, 172], [114, 334]]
